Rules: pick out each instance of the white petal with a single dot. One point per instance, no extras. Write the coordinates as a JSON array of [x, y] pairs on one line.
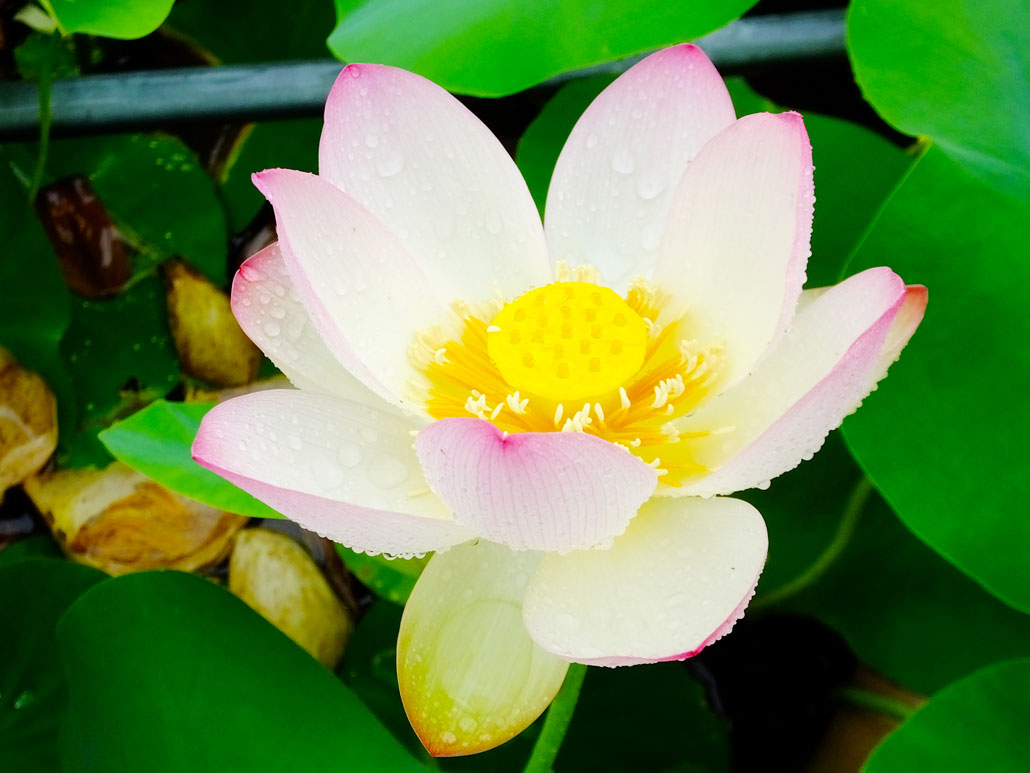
[[339, 468], [426, 166], [270, 312], [470, 676], [733, 256], [676, 581], [364, 292], [614, 180], [839, 346]]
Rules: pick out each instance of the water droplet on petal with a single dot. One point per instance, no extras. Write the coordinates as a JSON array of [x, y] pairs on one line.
[[649, 187], [349, 455], [622, 162], [389, 164]]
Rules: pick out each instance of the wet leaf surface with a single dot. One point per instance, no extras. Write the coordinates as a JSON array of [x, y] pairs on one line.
[[246, 697], [34, 593]]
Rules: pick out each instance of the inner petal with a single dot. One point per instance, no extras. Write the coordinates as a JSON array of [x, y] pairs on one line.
[[568, 341]]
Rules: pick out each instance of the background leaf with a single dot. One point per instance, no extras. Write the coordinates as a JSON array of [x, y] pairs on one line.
[[945, 438], [975, 724], [945, 441], [126, 19], [35, 305], [34, 593], [256, 31], [156, 191], [904, 610], [169, 672], [157, 441], [110, 345], [498, 47], [955, 71]]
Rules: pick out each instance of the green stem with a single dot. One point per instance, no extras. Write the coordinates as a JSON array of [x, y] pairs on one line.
[[881, 704], [46, 78], [849, 520], [557, 722]]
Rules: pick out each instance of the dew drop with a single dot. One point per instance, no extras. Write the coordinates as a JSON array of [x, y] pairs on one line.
[[349, 455], [622, 162], [271, 329], [494, 224], [371, 140], [592, 141], [389, 164], [649, 188]]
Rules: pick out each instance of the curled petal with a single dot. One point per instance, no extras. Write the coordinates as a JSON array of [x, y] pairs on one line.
[[363, 290], [676, 581], [470, 677], [734, 252], [428, 168], [841, 343], [339, 468], [556, 491], [614, 180], [268, 308]]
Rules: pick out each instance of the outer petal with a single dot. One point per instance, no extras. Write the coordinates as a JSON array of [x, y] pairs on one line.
[[469, 676], [339, 468], [535, 490], [734, 253], [270, 311], [432, 172], [840, 345], [614, 180], [676, 581], [365, 293]]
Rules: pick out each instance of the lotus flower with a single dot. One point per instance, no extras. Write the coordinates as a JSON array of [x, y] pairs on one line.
[[558, 410]]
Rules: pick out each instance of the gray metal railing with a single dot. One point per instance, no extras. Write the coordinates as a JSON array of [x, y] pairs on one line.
[[252, 92]]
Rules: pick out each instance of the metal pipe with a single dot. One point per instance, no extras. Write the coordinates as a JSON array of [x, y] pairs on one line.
[[253, 92]]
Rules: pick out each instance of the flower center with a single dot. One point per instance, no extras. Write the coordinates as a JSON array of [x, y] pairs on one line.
[[567, 341], [573, 356]]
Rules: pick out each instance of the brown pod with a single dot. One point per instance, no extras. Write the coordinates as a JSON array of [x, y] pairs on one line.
[[93, 254], [210, 343]]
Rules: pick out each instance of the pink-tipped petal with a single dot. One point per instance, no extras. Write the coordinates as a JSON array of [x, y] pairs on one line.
[[365, 293], [429, 169], [734, 252], [677, 580], [339, 468], [615, 178], [470, 677], [841, 343], [270, 312], [555, 491]]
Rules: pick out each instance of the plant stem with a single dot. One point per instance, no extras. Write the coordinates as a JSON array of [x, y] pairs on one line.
[[881, 704], [849, 520], [559, 715], [46, 78]]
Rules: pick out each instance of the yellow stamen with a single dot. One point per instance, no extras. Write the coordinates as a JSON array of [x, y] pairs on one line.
[[645, 376]]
